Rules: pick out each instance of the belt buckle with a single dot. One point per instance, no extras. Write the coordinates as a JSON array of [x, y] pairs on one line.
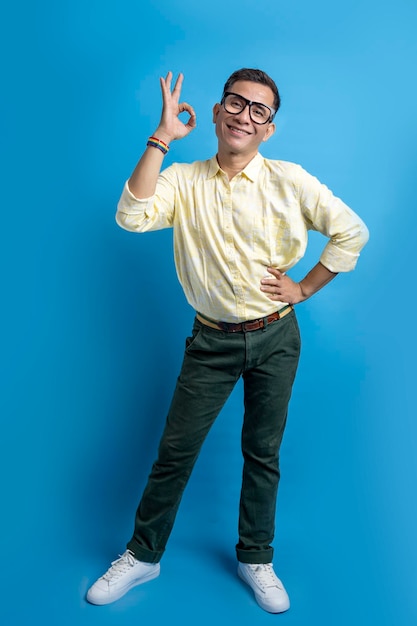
[[253, 325]]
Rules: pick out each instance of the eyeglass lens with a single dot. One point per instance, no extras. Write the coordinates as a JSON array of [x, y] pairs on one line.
[[258, 112]]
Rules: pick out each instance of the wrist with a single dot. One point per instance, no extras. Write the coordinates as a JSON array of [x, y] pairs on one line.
[[156, 142], [303, 291], [163, 136]]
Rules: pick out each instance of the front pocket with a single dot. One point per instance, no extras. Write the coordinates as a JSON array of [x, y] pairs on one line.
[[190, 341]]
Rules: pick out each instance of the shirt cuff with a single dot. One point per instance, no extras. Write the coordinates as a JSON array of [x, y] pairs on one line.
[[337, 260]]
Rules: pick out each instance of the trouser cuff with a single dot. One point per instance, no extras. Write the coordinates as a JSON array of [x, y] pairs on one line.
[[143, 554], [255, 556]]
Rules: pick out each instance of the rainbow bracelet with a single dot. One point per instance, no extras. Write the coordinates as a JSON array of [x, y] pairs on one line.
[[154, 142]]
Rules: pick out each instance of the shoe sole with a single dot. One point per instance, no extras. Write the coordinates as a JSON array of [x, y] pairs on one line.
[[119, 594]]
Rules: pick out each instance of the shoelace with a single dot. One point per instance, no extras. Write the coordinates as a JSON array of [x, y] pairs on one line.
[[120, 566], [265, 576]]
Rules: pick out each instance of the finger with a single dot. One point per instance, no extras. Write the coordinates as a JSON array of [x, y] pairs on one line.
[[166, 82], [273, 296], [192, 122], [270, 285], [177, 87], [184, 106], [271, 290], [166, 86], [274, 271], [187, 108]]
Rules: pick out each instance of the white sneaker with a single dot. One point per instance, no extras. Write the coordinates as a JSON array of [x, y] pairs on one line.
[[269, 591], [124, 573]]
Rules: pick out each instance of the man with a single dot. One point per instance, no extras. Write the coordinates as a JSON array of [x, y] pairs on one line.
[[240, 222]]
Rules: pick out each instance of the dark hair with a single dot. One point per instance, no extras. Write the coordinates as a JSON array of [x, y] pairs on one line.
[[254, 76]]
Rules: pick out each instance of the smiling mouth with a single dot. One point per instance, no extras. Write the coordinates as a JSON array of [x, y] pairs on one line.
[[239, 131]]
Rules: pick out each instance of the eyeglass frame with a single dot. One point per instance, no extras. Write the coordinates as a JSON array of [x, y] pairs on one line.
[[248, 103]]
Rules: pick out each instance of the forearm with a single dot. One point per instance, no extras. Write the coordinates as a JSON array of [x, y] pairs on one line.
[[142, 182], [317, 278]]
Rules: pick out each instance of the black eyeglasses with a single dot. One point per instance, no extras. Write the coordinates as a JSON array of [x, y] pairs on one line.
[[258, 112]]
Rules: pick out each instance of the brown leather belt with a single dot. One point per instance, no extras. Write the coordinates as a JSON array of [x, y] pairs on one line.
[[245, 326]]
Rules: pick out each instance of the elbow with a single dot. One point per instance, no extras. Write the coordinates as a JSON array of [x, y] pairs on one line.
[[128, 222], [120, 221], [363, 236]]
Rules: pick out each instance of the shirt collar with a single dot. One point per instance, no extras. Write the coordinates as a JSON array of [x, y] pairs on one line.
[[251, 171]]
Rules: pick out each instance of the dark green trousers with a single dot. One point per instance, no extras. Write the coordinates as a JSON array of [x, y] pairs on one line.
[[214, 361]]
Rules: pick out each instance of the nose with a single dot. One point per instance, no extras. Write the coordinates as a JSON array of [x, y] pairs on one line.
[[244, 115]]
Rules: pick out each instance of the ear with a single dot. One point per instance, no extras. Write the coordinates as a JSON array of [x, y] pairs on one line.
[[269, 131], [216, 110]]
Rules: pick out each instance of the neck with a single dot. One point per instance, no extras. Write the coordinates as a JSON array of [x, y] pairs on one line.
[[233, 163]]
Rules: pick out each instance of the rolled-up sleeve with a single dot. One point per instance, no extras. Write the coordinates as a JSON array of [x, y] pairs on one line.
[[327, 214], [154, 213]]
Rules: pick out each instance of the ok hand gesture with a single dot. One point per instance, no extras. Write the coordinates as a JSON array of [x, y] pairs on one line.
[[171, 126]]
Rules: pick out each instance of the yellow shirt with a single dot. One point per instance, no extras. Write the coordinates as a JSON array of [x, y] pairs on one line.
[[226, 233]]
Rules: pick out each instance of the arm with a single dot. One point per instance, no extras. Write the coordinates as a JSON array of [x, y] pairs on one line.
[[142, 182], [347, 235], [282, 288]]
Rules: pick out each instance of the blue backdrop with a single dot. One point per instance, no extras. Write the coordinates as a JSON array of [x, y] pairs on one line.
[[94, 321]]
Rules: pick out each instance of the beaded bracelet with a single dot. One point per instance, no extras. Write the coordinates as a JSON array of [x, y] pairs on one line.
[[154, 142]]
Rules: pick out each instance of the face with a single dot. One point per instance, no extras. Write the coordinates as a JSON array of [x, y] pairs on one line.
[[237, 133]]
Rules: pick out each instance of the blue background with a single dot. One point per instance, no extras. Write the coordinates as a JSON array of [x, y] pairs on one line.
[[94, 321]]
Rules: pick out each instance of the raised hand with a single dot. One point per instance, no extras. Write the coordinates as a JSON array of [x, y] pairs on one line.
[[171, 126]]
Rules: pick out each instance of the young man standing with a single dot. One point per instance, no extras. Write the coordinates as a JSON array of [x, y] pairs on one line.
[[240, 222]]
